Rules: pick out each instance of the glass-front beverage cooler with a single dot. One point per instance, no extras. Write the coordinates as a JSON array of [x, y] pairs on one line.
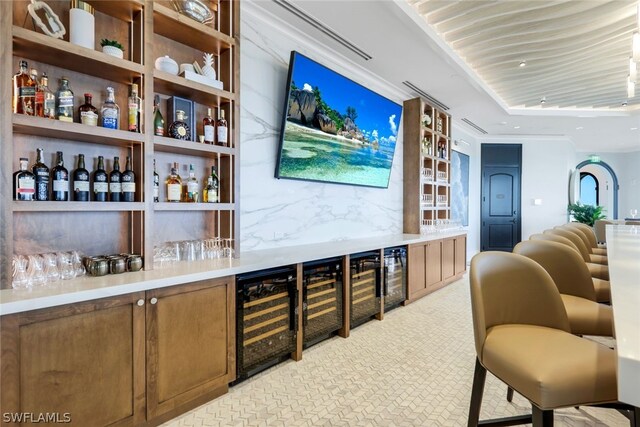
[[266, 319], [322, 306], [366, 286], [395, 277]]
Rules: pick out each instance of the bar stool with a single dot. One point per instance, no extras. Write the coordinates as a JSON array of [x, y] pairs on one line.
[[599, 227], [591, 236], [587, 243]]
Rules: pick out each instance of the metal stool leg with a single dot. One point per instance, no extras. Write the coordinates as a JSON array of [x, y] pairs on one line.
[[541, 418], [509, 394], [479, 376]]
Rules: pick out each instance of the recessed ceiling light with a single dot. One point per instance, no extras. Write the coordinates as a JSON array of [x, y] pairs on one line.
[[624, 104], [634, 128], [523, 64], [579, 128], [516, 127], [503, 123], [543, 100]]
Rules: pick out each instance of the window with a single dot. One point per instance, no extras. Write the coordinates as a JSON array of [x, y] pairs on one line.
[[589, 192]]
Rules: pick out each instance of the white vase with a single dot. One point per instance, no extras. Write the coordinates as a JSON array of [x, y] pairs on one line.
[[113, 51], [82, 25]]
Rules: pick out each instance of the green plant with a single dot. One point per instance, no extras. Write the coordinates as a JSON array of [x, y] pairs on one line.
[[114, 43], [586, 214]]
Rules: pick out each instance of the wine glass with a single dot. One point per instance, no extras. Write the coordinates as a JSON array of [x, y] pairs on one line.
[[19, 276], [633, 213]]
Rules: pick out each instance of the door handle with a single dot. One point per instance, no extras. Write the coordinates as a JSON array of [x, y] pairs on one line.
[[514, 220]]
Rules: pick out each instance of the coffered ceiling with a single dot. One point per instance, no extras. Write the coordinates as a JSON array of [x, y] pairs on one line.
[[574, 53]]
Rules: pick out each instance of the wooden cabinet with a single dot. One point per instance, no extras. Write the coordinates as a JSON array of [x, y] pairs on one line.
[[433, 265], [448, 259], [460, 255], [85, 360], [416, 264]]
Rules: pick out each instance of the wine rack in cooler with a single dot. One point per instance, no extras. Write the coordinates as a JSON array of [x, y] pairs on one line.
[[322, 306], [395, 277], [366, 284]]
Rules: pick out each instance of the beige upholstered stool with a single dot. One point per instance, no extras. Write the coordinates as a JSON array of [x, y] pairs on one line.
[[599, 227], [578, 238], [591, 237], [585, 239], [522, 336]]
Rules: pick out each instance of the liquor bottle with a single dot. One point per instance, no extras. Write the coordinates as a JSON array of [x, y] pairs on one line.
[[87, 112], [64, 101], [100, 184], [128, 180], [81, 181], [209, 126], [115, 183], [49, 99], [135, 109], [24, 92], [192, 193], [222, 130], [33, 73], [158, 120], [24, 182], [60, 177], [41, 172], [179, 128], [174, 185], [39, 98], [110, 111], [212, 189], [156, 183]]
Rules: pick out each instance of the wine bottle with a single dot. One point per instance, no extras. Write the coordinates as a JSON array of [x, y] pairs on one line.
[[208, 125], [192, 195], [41, 172], [81, 181], [60, 177], [24, 182], [174, 185], [100, 184], [156, 183], [158, 120], [115, 183], [128, 180], [64, 101], [223, 133], [135, 106]]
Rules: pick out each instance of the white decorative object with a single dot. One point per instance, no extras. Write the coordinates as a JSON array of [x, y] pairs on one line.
[[190, 75], [82, 24], [55, 28], [168, 65], [187, 67], [207, 69], [113, 51]]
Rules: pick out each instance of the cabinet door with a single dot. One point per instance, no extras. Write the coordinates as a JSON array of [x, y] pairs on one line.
[[84, 361], [434, 264], [190, 344], [415, 270], [461, 254], [448, 259]]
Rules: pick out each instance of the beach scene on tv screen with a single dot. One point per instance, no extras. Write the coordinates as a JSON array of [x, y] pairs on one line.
[[336, 130]]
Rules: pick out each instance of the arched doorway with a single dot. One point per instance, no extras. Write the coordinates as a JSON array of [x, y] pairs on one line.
[[606, 185]]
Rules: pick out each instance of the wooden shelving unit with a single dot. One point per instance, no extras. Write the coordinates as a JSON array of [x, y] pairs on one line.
[[147, 29]]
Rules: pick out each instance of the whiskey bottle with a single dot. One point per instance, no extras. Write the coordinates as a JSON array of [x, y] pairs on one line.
[[81, 181], [115, 183], [128, 180], [100, 184], [156, 183], [41, 173], [48, 99], [87, 112], [24, 92], [110, 111], [212, 189], [179, 128], [209, 126], [222, 130], [192, 195], [64, 101], [24, 182], [174, 185], [60, 177], [39, 98], [135, 109], [158, 120]]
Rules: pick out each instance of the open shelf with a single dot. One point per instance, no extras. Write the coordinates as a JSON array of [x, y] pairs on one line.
[[170, 145], [166, 206], [202, 94], [52, 206], [122, 10], [49, 128], [60, 53], [181, 28]]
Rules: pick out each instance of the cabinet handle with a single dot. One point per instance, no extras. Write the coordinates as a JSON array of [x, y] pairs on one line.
[[140, 302], [153, 301]]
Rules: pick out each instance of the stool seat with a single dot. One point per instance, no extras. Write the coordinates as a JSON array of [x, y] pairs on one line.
[[598, 271], [599, 259], [588, 317], [603, 289], [549, 367], [599, 251]]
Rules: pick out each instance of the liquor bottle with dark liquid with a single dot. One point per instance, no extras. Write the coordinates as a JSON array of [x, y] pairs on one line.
[[223, 130], [64, 101], [135, 109], [39, 98], [209, 126], [179, 128], [128, 180], [24, 92], [100, 184], [60, 177], [41, 172], [81, 181], [48, 99], [24, 182], [115, 183], [158, 120], [156, 183], [174, 185], [87, 112]]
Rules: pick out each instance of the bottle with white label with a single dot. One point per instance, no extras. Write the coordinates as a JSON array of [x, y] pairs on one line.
[[64, 101], [100, 182], [115, 184], [222, 130], [208, 125], [60, 177], [81, 181], [192, 193], [174, 185], [110, 111], [24, 182], [128, 182]]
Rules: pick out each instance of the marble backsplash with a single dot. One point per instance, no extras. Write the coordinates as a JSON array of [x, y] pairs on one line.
[[273, 212]]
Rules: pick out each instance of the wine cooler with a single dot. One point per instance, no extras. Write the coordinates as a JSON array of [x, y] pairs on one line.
[[322, 306], [395, 277], [266, 319], [366, 284]]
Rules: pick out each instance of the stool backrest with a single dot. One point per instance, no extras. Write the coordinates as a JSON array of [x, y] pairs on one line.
[[588, 231], [599, 228], [581, 234], [555, 238], [577, 241]]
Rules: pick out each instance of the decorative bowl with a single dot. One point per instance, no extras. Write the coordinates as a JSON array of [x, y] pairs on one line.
[[168, 65], [194, 9], [113, 51]]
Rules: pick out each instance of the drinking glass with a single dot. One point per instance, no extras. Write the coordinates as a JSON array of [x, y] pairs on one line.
[[76, 261], [633, 213], [35, 271], [51, 267], [65, 265], [20, 280], [227, 248]]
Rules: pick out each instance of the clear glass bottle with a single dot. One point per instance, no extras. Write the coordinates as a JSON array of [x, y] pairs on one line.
[[87, 112], [24, 92], [128, 180], [213, 187], [100, 182], [174, 185], [39, 98], [208, 125], [134, 109], [41, 172], [49, 102], [81, 181], [115, 182], [179, 128], [60, 179], [223, 130], [192, 193], [158, 120], [156, 183], [64, 101], [24, 182], [110, 111]]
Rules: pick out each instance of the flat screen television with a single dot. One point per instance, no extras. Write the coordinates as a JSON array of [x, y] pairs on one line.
[[334, 129]]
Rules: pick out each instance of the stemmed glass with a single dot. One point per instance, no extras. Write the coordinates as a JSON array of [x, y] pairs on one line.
[[633, 213]]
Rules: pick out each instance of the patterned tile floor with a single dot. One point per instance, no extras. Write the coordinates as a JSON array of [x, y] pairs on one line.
[[415, 368]]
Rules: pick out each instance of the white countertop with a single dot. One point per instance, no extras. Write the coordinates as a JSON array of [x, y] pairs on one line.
[[623, 249], [89, 288]]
